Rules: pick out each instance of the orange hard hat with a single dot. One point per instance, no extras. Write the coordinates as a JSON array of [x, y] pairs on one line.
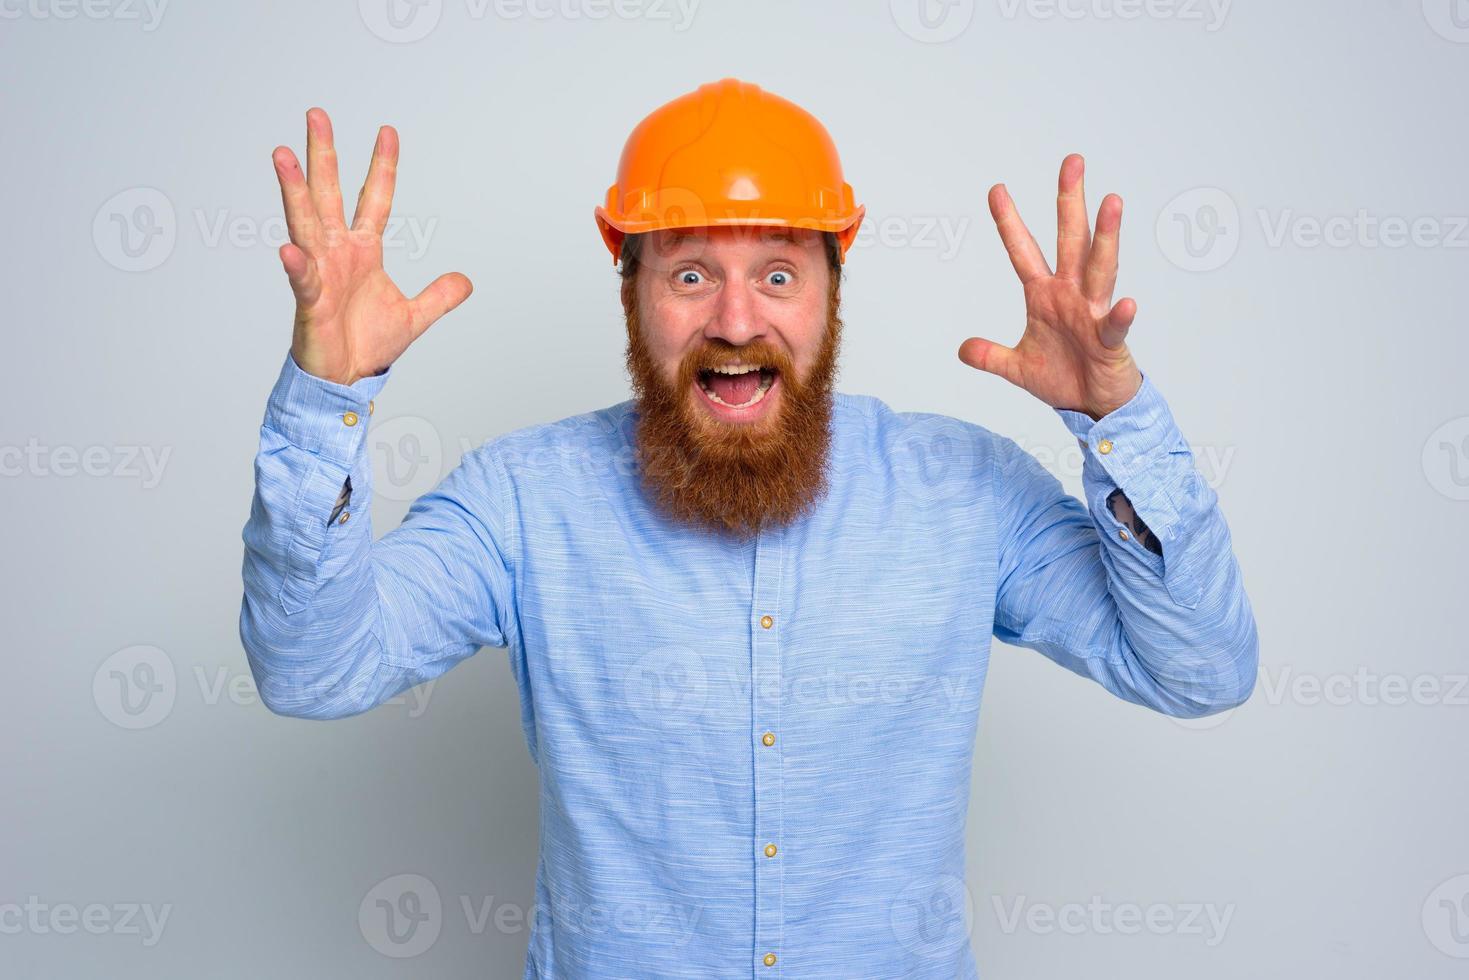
[[729, 153]]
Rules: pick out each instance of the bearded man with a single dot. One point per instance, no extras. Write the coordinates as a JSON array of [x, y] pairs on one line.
[[748, 615]]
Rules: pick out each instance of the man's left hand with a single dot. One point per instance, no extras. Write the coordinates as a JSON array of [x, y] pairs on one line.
[[1073, 353]]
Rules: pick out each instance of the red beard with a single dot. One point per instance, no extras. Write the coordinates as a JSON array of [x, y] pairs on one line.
[[733, 479]]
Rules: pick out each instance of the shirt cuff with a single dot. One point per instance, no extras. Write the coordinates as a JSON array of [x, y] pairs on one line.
[[1128, 438], [1134, 447], [321, 416]]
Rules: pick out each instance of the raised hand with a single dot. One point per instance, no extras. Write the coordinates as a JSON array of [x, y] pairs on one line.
[[351, 320], [1073, 353]]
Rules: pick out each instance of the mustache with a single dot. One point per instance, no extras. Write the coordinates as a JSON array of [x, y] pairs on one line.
[[721, 353]]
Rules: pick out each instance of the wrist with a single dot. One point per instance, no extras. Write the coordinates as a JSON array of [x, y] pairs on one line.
[[1116, 398]]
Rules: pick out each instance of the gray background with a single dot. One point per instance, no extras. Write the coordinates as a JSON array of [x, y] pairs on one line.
[[1320, 378]]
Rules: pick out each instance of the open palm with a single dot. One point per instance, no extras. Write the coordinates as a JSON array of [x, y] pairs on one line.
[[1073, 353], [351, 320]]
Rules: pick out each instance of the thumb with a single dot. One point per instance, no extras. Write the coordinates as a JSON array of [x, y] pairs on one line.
[[438, 298], [992, 358], [301, 271], [1117, 322]]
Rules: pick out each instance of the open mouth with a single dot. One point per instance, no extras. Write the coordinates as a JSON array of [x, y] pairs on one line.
[[737, 386]]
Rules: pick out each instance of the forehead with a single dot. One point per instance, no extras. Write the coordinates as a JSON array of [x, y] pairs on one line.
[[733, 238]]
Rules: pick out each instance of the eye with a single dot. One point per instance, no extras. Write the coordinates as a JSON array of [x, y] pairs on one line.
[[779, 277], [689, 277]]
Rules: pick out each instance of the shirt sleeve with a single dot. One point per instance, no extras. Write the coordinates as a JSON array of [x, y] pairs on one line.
[[1173, 630], [332, 622]]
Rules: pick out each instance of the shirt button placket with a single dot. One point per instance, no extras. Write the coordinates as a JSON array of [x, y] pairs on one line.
[[765, 705]]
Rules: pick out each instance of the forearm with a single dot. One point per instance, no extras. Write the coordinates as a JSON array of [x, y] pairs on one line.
[[310, 620], [1183, 621], [1169, 628]]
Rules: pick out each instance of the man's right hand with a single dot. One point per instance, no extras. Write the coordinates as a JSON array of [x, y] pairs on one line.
[[351, 320]]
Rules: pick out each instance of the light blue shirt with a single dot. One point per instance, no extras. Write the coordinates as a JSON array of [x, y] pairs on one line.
[[749, 752]]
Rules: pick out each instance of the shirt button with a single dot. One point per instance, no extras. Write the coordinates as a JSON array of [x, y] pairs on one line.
[[1104, 447], [343, 519], [766, 622], [370, 406], [349, 419], [770, 850], [769, 959], [768, 738]]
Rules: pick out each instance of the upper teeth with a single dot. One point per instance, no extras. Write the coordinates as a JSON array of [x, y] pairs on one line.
[[735, 368]]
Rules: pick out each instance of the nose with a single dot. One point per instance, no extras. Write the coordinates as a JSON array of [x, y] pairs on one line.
[[736, 319]]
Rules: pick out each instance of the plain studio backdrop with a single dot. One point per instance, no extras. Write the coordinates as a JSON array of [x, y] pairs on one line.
[[1295, 234]]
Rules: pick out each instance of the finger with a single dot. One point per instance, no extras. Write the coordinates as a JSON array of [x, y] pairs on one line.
[[321, 170], [1101, 263], [301, 271], [992, 358], [1117, 322], [1073, 237], [1025, 254], [376, 199], [438, 298], [301, 222]]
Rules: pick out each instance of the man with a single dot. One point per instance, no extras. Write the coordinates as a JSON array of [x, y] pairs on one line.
[[748, 616]]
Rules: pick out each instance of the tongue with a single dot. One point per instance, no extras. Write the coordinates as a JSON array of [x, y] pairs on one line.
[[736, 389]]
